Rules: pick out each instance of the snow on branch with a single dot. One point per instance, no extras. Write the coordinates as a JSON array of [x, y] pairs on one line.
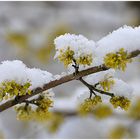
[[17, 71], [85, 57]]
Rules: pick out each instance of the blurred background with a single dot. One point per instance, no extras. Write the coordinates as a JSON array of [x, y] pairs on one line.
[[27, 31]]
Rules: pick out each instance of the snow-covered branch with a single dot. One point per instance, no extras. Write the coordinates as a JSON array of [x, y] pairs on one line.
[[62, 80], [92, 63], [53, 84]]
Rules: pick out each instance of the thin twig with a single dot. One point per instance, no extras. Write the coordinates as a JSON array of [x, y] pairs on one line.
[[95, 89], [90, 87]]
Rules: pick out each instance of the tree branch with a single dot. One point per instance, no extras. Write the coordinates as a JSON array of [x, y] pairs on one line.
[[95, 89], [134, 54], [62, 80], [53, 84]]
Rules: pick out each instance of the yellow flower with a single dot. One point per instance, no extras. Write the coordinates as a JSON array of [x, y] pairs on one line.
[[102, 111], [120, 101], [117, 60], [9, 89], [134, 110], [44, 102], [88, 105], [40, 114], [85, 60], [106, 84], [54, 122], [24, 113], [66, 56], [42, 111], [118, 132]]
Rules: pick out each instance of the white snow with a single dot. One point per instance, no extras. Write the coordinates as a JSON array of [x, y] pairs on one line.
[[78, 43], [99, 76], [82, 94], [13, 70], [59, 76], [125, 37], [16, 70], [38, 77], [121, 88]]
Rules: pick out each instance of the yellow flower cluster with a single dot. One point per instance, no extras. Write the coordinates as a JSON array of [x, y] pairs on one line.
[[88, 105], [84, 60], [10, 89], [118, 132], [117, 60], [106, 84], [134, 110], [120, 101], [102, 111], [54, 122], [41, 113], [24, 113], [67, 58]]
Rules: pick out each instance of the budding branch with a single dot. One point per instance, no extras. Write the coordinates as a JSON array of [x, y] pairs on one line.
[[62, 80]]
